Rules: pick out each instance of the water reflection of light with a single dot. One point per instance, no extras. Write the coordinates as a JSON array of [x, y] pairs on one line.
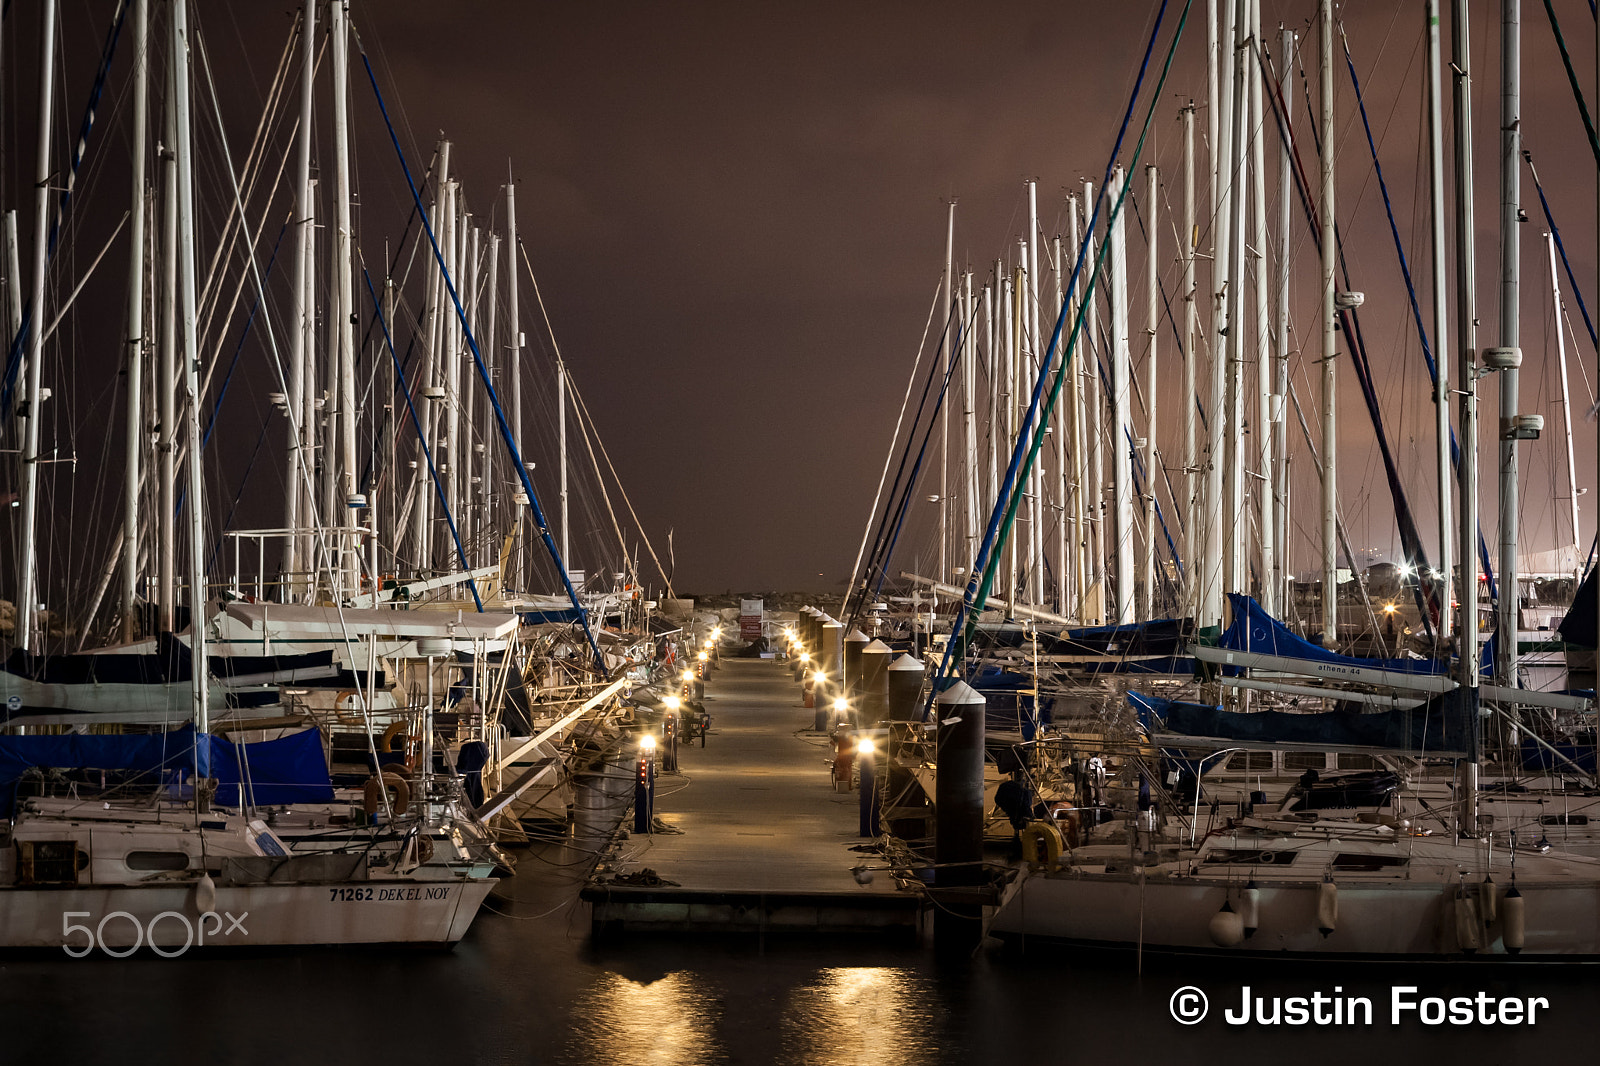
[[859, 1014], [669, 1020]]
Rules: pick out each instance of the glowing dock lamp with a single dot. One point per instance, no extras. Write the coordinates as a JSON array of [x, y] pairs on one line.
[[865, 751], [703, 656], [805, 657], [644, 785], [841, 709], [671, 703]]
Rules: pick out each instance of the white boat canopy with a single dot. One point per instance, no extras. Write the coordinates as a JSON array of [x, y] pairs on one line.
[[290, 621]]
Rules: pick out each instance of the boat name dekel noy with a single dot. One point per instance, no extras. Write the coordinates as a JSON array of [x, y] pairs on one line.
[[1188, 1005]]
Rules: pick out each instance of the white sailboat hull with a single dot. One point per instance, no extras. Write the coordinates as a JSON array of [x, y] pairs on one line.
[[119, 918], [1396, 919]]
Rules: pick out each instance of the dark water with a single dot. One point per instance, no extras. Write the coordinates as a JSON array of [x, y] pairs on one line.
[[528, 985]]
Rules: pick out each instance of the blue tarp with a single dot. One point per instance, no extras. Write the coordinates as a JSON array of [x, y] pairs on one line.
[[291, 769], [1254, 630], [1444, 723], [533, 618]]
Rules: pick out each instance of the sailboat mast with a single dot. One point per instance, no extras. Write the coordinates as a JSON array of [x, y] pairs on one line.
[[490, 353], [1080, 478], [300, 308], [1441, 318], [1058, 483], [191, 366], [32, 405], [1330, 381], [133, 439], [944, 410], [1216, 559], [1280, 362], [1121, 405], [1467, 343], [1234, 511], [167, 376], [514, 346], [1035, 366], [1264, 377], [969, 428], [1505, 666], [1147, 608], [1191, 455]]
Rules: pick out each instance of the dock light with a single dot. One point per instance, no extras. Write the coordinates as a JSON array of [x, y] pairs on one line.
[[703, 656], [671, 703], [688, 675], [805, 656], [647, 743], [1389, 608], [840, 704], [820, 676], [864, 746], [716, 634]]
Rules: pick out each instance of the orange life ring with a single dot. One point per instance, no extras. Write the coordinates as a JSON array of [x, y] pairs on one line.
[[395, 729], [372, 794]]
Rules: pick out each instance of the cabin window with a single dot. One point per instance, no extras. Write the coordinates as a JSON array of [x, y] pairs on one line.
[[1304, 760], [150, 861], [1250, 857], [1241, 761], [1369, 863], [1564, 819], [1349, 760]]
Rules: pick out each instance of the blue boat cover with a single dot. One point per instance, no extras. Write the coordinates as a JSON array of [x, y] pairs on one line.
[[291, 769], [1254, 630], [533, 618], [1444, 723]]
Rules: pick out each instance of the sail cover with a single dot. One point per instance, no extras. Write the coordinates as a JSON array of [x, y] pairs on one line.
[[1445, 724], [291, 769], [1254, 630]]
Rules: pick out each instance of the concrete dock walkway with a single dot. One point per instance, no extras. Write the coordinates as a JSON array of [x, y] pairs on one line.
[[766, 840]]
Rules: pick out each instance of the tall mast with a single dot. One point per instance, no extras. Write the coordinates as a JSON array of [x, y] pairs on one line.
[[1121, 406], [300, 306], [1441, 318], [489, 351], [32, 409], [514, 346], [1233, 514], [1330, 382], [1035, 364], [1213, 551], [167, 376], [133, 440], [944, 410], [1280, 363], [349, 561], [1191, 455], [1147, 609], [561, 433], [969, 428], [191, 367], [1466, 343], [1264, 377], [1505, 666], [1080, 477], [1058, 483], [1094, 415]]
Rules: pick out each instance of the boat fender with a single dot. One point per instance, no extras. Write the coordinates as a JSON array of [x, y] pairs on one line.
[[1227, 928], [1041, 844], [205, 894], [396, 729], [1513, 921], [1250, 909], [1488, 899], [1469, 928], [1327, 906], [372, 794]]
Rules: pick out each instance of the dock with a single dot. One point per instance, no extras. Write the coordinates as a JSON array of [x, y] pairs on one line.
[[765, 842]]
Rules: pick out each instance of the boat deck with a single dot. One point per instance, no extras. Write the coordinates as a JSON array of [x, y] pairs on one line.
[[765, 842]]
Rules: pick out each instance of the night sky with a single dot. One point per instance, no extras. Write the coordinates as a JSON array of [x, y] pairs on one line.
[[737, 217]]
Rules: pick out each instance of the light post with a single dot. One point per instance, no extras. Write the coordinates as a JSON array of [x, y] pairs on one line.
[[866, 755], [644, 785], [669, 733]]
